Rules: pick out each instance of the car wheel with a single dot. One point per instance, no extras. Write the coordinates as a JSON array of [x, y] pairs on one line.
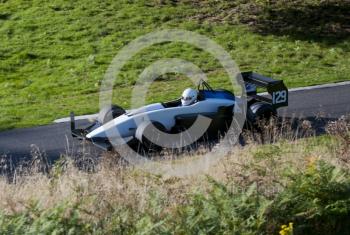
[[149, 144], [108, 113], [261, 111], [258, 117]]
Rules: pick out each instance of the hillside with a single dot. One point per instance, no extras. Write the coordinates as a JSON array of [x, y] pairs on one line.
[[53, 54]]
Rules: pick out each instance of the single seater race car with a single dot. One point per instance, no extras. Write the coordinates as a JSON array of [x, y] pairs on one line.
[[173, 117]]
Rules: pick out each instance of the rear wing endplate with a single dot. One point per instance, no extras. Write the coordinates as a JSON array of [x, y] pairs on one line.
[[277, 90]]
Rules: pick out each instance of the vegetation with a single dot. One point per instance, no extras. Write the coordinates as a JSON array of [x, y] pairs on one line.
[[52, 59], [298, 187], [53, 55]]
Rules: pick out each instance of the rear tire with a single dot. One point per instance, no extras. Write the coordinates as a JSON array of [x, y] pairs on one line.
[[259, 116], [261, 112], [108, 113]]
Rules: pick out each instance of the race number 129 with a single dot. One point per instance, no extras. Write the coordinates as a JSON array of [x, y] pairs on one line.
[[279, 97]]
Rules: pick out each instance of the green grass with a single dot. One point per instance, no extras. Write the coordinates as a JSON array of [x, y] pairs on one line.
[[53, 55]]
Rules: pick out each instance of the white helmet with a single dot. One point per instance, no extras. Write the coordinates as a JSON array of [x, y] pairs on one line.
[[189, 96]]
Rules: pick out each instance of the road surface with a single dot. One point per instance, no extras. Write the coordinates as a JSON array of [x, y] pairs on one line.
[[328, 101]]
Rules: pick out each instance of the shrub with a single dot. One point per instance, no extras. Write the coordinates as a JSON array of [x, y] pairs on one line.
[[223, 212], [318, 201], [62, 219]]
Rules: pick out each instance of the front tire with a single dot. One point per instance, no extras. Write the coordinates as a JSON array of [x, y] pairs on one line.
[[108, 113], [149, 145]]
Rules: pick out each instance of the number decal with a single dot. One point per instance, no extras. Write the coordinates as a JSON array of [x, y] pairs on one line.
[[279, 97]]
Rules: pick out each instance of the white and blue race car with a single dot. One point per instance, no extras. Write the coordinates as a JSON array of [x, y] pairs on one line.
[[115, 125]]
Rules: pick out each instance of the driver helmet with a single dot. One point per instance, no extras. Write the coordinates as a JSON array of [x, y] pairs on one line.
[[189, 96]]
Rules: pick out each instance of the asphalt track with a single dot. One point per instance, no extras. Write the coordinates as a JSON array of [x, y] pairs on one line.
[[330, 102]]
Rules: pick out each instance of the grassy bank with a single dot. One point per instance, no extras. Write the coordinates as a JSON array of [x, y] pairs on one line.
[[301, 186], [53, 55]]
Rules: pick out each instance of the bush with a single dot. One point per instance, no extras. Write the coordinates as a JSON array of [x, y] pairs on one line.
[[63, 219], [318, 202], [223, 212]]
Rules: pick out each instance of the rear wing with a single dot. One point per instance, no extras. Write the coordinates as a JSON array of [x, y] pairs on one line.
[[276, 89]]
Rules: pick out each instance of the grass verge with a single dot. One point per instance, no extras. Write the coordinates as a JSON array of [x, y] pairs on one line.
[[53, 55]]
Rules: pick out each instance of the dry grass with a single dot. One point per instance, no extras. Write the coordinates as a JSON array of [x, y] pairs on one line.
[[111, 183]]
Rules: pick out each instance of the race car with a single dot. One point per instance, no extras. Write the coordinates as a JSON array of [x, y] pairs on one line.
[[115, 125]]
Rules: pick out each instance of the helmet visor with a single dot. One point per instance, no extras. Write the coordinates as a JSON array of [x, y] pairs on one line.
[[186, 98]]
